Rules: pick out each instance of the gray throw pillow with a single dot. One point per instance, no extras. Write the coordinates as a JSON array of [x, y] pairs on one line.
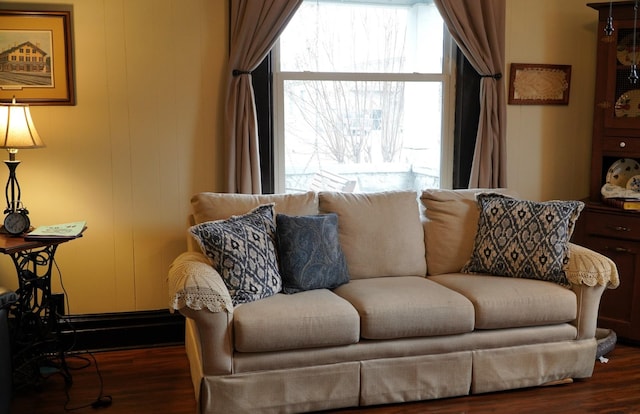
[[525, 239], [310, 253], [242, 249]]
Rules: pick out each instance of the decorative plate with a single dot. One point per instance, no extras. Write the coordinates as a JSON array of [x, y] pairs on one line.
[[634, 183], [624, 51], [621, 171], [628, 104]]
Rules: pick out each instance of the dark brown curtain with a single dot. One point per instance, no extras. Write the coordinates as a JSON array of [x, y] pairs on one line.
[[478, 27], [255, 26]]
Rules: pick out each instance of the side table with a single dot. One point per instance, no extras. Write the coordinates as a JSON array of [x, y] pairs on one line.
[[35, 343]]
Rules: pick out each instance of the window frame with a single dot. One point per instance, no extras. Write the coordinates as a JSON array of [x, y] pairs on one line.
[[467, 113], [447, 78]]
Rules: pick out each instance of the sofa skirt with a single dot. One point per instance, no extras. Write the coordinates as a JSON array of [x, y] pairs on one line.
[[399, 376], [531, 365], [419, 378], [341, 385], [283, 391]]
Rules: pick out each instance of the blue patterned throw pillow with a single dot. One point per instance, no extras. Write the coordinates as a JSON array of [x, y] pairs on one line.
[[310, 253], [242, 249], [523, 239]]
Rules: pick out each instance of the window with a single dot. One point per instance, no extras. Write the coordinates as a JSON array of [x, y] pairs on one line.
[[363, 92]]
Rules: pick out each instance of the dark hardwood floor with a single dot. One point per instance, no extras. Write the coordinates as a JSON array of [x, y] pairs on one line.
[[151, 380], [156, 380]]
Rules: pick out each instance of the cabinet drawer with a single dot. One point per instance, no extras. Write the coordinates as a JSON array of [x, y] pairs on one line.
[[612, 225], [621, 144]]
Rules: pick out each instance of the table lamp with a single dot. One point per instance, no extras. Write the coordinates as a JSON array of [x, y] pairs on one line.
[[17, 131]]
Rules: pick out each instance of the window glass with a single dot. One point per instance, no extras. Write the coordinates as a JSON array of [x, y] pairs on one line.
[[395, 37], [361, 97]]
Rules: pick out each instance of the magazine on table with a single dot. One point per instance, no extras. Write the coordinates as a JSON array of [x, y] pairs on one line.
[[58, 231]]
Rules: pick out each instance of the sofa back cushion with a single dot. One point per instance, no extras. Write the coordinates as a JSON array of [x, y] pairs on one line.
[[380, 233], [217, 206], [450, 226]]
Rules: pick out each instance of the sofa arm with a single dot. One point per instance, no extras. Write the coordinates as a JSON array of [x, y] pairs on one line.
[[199, 293], [590, 273], [193, 283], [212, 340]]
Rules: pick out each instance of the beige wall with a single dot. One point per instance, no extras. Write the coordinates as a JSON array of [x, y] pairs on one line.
[[549, 147], [143, 137], [146, 134]]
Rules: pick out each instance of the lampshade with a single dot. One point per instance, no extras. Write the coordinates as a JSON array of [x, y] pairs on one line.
[[17, 130]]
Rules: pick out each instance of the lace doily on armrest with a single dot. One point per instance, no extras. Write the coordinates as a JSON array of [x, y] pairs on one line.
[[590, 268], [195, 284]]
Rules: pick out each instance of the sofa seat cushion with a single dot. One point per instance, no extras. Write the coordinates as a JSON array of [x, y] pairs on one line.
[[504, 302], [407, 306], [314, 318]]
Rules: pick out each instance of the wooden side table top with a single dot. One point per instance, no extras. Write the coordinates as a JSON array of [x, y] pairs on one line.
[[14, 244]]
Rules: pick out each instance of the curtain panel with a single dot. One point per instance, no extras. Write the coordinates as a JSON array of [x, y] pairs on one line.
[[255, 25], [478, 28]]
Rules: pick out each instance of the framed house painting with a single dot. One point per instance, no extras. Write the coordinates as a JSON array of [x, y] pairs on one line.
[[36, 62]]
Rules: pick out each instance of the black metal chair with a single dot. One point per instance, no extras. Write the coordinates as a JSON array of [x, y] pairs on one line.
[[7, 297]]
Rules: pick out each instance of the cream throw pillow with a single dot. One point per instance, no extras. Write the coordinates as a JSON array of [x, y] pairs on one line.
[[450, 224], [380, 233]]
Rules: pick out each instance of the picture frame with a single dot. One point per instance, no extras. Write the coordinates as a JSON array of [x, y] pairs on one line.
[[36, 57], [539, 84]]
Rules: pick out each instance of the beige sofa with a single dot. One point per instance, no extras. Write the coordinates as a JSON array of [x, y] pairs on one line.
[[408, 326]]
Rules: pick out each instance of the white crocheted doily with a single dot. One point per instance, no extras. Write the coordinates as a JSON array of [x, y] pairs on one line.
[[590, 268], [195, 284]]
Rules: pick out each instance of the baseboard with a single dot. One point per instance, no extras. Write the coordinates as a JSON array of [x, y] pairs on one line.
[[121, 330]]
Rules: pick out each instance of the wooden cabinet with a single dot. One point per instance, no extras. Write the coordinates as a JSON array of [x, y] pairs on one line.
[[616, 135], [616, 116], [616, 234]]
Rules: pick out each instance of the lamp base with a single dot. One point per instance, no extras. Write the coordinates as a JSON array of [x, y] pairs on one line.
[[12, 188]]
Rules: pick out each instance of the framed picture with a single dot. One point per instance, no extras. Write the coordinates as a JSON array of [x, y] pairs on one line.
[[539, 84], [36, 64]]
